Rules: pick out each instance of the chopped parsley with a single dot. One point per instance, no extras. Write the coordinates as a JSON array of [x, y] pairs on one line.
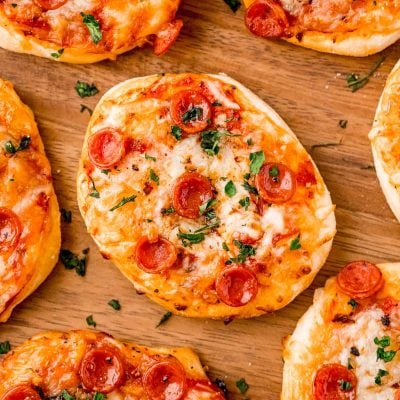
[[343, 123], [242, 385], [99, 396], [124, 200], [245, 202], [58, 53], [66, 215], [166, 211], [164, 318], [71, 260], [205, 208], [115, 304], [295, 243], [216, 104], [353, 304], [349, 366], [93, 26], [225, 246], [356, 82], [245, 250], [90, 321], [249, 188], [256, 161], [105, 171], [86, 108], [147, 157], [274, 172], [5, 347], [230, 189], [66, 396], [344, 385], [23, 145], [378, 378], [193, 114], [95, 193], [381, 353], [198, 235], [85, 89], [210, 141], [354, 351], [250, 142], [154, 177], [176, 132]]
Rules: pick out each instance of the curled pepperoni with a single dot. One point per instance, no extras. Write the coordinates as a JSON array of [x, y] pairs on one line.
[[10, 229], [50, 4], [191, 111], [106, 148], [275, 183], [165, 380], [156, 256], [334, 382], [21, 392], [236, 286], [360, 279], [102, 370], [167, 36], [191, 190], [267, 18]]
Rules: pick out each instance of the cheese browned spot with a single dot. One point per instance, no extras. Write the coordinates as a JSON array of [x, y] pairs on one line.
[[217, 228]]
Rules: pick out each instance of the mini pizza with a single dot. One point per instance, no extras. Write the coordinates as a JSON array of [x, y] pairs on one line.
[[88, 31], [202, 196], [92, 365], [29, 215], [385, 141], [347, 345], [348, 27]]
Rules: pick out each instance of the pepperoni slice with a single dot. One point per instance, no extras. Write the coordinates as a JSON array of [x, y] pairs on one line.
[[102, 370], [191, 111], [50, 4], [166, 37], [156, 256], [106, 148], [236, 286], [334, 382], [275, 183], [267, 18], [191, 190], [165, 380], [360, 279], [10, 229], [21, 392]]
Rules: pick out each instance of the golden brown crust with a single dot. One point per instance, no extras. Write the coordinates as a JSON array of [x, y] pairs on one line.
[[52, 360], [319, 340], [26, 189], [385, 141], [124, 26], [189, 288]]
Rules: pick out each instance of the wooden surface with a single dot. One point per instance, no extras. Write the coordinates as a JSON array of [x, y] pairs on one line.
[[309, 91]]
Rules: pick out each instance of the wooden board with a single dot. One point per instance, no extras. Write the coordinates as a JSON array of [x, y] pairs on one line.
[[309, 91]]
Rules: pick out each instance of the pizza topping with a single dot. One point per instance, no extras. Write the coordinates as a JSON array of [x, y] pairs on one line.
[[165, 380], [360, 279], [102, 370], [191, 111], [93, 26], [124, 201], [245, 251], [381, 353], [5, 347], [154, 257], [176, 132], [275, 183], [334, 382], [210, 141], [167, 36], [267, 18], [106, 148], [191, 190], [256, 161], [23, 145], [50, 4], [378, 378], [236, 286], [230, 189], [10, 229], [21, 392], [85, 89]]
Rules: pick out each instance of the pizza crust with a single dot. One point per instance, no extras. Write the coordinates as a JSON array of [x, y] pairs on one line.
[[299, 364], [44, 249], [271, 298], [38, 361], [12, 38], [383, 136]]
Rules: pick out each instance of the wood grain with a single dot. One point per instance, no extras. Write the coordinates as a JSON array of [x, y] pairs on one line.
[[309, 91]]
